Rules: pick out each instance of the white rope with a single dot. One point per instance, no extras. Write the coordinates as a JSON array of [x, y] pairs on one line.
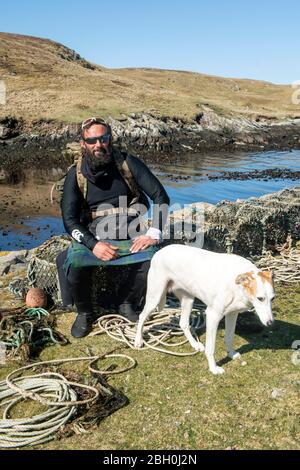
[[50, 389], [286, 266], [161, 333]]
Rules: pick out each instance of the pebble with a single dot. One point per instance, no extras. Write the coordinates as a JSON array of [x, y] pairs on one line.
[[277, 393]]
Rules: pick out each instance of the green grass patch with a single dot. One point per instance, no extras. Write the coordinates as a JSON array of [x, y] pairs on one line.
[[175, 403]]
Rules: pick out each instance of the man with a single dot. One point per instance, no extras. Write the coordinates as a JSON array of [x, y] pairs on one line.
[[93, 197]]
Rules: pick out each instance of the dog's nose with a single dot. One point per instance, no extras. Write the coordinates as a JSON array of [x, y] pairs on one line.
[[270, 322]]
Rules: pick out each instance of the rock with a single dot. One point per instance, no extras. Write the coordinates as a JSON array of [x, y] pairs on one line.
[[18, 268], [4, 269], [277, 393], [13, 258], [8, 128]]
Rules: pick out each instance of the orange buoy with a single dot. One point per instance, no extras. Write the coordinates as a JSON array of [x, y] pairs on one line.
[[36, 298]]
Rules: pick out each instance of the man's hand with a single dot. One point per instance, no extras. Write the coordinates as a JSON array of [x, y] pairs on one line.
[[105, 251], [142, 242]]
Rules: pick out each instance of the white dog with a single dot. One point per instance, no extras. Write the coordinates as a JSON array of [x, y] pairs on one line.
[[228, 284]]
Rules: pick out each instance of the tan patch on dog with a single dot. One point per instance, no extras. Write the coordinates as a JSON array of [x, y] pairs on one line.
[[248, 281], [266, 276]]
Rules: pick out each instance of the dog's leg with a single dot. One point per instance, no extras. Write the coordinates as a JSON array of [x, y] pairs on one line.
[[212, 321], [148, 309], [186, 306], [155, 292], [230, 322]]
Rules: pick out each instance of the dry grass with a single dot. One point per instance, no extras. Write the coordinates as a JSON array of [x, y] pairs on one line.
[[46, 80], [175, 403]]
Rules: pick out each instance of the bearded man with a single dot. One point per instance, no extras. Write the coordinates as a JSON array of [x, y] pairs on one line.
[[102, 198]]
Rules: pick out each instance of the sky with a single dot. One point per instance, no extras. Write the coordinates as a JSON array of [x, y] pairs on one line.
[[256, 39]]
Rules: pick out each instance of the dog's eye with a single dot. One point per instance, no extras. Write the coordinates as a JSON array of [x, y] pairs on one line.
[[261, 299]]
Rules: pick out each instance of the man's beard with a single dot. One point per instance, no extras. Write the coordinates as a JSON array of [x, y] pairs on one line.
[[98, 162]]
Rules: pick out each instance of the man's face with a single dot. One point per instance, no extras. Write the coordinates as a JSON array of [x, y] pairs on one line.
[[98, 153]]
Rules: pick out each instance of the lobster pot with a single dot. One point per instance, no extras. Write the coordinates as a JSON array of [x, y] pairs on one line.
[[42, 271], [106, 282], [43, 274]]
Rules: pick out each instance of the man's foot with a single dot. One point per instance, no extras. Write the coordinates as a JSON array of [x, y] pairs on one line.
[[82, 325], [67, 308], [127, 311]]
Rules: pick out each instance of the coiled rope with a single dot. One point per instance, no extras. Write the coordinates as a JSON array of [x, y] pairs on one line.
[[30, 327], [52, 390], [286, 266], [161, 333]]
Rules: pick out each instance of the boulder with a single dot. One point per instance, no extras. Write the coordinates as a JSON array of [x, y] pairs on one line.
[[11, 259]]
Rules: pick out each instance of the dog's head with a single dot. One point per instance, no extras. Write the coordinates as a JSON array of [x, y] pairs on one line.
[[259, 289]]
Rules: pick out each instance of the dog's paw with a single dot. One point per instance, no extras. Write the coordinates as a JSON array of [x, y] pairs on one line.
[[217, 370], [138, 344], [234, 355], [199, 346]]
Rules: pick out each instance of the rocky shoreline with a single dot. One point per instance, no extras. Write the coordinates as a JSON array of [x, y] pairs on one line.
[[154, 138]]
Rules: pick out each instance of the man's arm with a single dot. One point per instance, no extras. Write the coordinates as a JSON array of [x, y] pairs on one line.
[[71, 208], [152, 187]]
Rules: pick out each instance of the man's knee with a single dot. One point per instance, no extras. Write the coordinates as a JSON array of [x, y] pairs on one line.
[[144, 267], [61, 258]]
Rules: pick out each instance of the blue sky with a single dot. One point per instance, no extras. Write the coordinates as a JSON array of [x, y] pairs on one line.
[[243, 39]]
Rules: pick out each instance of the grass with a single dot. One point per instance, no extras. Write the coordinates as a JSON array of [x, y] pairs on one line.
[[46, 80], [175, 403]]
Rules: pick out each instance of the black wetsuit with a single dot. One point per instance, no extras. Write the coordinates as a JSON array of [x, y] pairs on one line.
[[106, 186]]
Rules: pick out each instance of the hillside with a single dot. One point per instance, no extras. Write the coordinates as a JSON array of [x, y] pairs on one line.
[[46, 80]]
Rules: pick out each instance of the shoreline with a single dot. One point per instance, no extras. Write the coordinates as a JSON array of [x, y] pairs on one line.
[[154, 139]]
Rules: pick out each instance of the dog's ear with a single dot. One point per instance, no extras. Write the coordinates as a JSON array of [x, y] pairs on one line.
[[248, 281], [244, 279], [267, 276]]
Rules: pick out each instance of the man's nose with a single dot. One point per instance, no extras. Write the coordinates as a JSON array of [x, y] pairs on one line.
[[98, 144]]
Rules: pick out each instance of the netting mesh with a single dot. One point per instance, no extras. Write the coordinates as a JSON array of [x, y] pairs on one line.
[[42, 271]]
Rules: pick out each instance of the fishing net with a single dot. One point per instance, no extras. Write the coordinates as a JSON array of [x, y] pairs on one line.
[[25, 332]]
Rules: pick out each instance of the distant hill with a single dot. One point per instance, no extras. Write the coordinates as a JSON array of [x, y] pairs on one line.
[[46, 80]]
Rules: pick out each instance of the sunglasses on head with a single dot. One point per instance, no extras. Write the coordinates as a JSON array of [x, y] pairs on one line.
[[93, 120], [103, 139]]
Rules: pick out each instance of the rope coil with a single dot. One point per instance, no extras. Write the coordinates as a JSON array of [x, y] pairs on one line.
[[158, 332], [286, 266], [51, 389]]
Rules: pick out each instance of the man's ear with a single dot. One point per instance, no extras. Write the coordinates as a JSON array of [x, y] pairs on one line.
[[82, 143]]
